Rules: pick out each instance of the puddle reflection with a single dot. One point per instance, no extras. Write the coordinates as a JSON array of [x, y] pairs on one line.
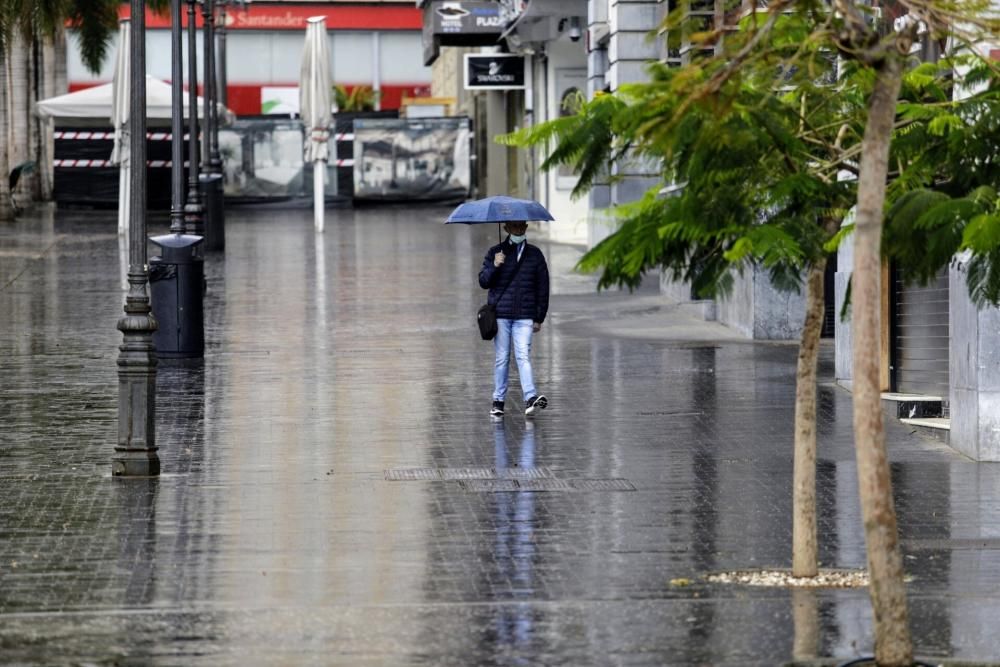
[[514, 548]]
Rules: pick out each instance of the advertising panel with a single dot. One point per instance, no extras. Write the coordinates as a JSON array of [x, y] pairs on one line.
[[412, 159], [494, 71]]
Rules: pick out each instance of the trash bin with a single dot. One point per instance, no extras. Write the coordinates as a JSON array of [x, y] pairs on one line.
[[176, 280], [215, 213]]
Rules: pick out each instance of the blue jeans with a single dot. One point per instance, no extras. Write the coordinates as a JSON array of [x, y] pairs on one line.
[[518, 331]]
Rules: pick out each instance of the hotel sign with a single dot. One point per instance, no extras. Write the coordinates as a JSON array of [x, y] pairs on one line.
[[460, 23], [494, 71]]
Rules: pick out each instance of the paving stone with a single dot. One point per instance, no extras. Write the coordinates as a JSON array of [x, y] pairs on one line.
[[274, 538]]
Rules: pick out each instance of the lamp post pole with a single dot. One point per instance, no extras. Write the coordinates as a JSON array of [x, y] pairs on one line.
[[177, 119], [211, 165], [194, 212], [214, 160], [136, 452], [208, 35], [223, 78]]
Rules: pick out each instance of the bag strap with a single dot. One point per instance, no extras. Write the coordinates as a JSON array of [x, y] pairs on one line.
[[517, 268]]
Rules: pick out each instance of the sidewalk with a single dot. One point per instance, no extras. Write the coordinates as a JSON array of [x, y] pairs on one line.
[[334, 492]]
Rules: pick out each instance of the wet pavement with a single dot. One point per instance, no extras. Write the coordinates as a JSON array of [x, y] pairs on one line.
[[335, 493]]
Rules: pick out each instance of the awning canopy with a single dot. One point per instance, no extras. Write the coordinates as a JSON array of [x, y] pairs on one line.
[[95, 104]]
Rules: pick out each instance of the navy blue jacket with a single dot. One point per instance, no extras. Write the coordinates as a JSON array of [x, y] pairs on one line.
[[528, 297]]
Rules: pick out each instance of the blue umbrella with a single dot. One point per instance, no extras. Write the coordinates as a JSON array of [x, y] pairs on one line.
[[498, 209]]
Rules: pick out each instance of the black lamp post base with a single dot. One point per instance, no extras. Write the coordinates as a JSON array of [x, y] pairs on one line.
[[139, 463]]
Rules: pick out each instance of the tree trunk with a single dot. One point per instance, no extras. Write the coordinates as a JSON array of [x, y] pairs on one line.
[[35, 123], [6, 212], [61, 50], [18, 104], [804, 551], [47, 147], [893, 646]]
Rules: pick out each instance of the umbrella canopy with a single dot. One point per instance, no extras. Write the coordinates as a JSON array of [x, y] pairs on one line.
[[119, 97], [315, 90], [498, 209], [120, 151]]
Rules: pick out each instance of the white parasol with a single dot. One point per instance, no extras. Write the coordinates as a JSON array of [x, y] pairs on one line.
[[119, 121], [315, 87]]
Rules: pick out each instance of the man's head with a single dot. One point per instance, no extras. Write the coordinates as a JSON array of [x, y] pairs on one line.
[[516, 227]]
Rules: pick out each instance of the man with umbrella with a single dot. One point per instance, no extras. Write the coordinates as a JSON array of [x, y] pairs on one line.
[[517, 277]]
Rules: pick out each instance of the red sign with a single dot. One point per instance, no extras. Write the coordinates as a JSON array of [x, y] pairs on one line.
[[293, 17]]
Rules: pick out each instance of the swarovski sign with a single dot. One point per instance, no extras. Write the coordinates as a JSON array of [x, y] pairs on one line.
[[494, 71]]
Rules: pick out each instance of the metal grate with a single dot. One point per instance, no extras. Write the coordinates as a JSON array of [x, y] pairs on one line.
[[501, 485], [450, 474]]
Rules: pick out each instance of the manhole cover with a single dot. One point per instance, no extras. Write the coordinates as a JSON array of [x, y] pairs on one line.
[[449, 474], [500, 485]]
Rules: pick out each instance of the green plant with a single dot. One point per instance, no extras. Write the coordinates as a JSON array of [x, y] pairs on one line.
[[358, 98]]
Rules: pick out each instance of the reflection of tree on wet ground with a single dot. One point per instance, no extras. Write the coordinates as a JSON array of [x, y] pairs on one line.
[[704, 515]]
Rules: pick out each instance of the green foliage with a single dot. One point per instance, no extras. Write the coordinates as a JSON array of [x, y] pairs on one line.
[[359, 98], [761, 152], [589, 140], [95, 21], [756, 163]]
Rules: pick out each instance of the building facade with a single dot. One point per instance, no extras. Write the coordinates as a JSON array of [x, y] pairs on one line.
[[374, 43]]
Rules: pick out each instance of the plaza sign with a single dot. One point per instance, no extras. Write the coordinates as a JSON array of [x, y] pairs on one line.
[[460, 23], [494, 71]]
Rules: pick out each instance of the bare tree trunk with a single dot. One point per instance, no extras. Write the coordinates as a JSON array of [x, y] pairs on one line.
[[6, 211], [62, 77], [35, 124], [47, 152], [804, 549], [18, 104], [893, 646]]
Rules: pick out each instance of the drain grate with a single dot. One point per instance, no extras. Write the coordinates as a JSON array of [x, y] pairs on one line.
[[500, 485], [452, 474]]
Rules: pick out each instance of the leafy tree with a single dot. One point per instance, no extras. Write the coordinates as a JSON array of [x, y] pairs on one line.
[[760, 165], [24, 25]]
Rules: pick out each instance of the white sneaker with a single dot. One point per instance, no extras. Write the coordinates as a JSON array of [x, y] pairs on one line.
[[535, 403]]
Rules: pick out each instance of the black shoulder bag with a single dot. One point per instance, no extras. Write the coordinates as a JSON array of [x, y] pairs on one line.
[[486, 316]]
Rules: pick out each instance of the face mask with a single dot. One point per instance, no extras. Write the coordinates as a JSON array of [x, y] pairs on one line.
[[517, 239]]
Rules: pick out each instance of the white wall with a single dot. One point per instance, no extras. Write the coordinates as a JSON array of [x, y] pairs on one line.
[[566, 68], [274, 57]]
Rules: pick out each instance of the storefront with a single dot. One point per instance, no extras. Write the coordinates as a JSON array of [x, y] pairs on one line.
[[376, 45]]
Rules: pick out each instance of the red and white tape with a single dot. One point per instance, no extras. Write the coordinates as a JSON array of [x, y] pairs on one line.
[[107, 136], [98, 164]]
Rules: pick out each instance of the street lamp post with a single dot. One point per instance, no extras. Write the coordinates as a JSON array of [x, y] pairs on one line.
[[176, 120], [176, 275], [136, 452], [211, 179], [214, 161], [223, 78], [194, 212]]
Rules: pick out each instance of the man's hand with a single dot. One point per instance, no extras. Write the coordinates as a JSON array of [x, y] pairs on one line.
[[536, 327], [498, 259]]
